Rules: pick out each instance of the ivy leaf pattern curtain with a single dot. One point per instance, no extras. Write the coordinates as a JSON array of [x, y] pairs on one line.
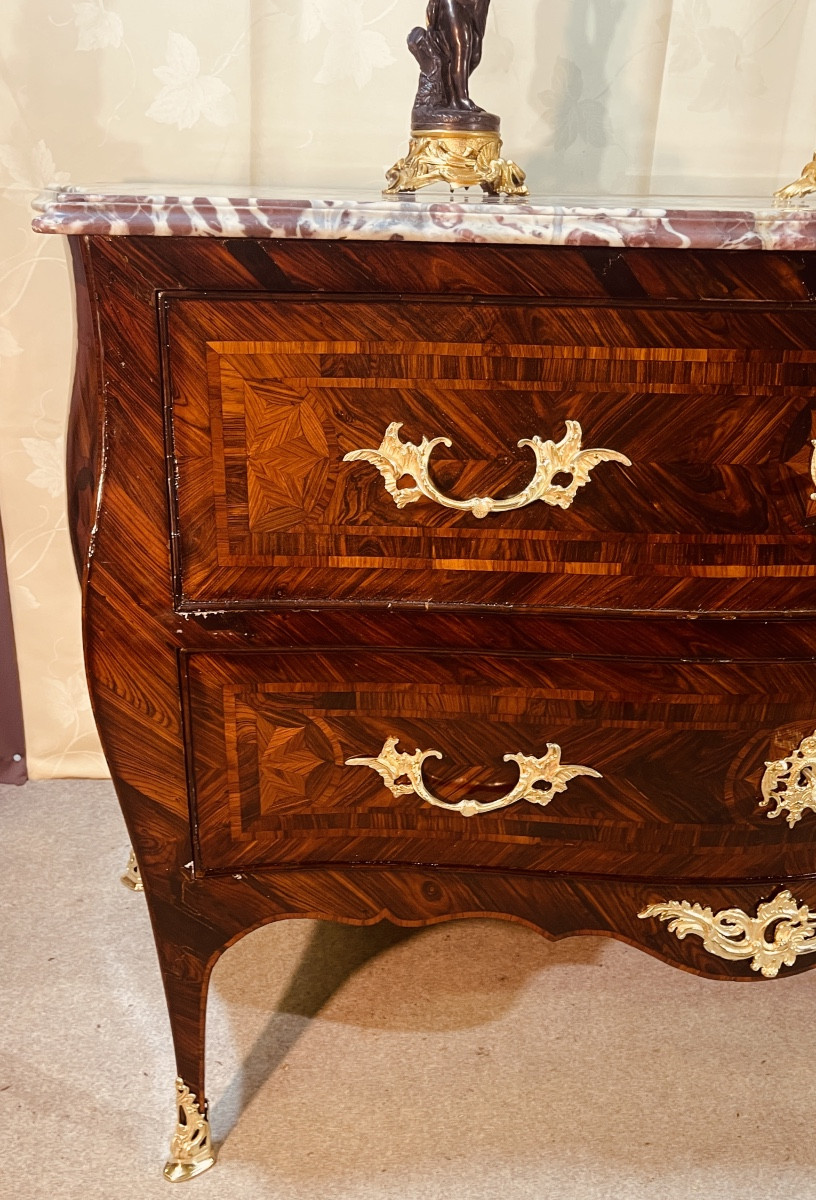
[[597, 98]]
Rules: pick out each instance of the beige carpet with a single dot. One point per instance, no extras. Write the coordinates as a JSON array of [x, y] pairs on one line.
[[470, 1060]]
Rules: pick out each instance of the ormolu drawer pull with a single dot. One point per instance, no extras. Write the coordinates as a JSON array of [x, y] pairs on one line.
[[392, 766], [790, 784], [733, 935], [395, 459]]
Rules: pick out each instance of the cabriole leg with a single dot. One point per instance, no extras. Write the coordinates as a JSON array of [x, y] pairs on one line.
[[186, 979]]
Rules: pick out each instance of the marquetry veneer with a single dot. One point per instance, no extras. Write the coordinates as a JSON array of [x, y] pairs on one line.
[[260, 615], [711, 403]]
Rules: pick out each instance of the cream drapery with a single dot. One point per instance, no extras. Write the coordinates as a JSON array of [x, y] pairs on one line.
[[597, 97]]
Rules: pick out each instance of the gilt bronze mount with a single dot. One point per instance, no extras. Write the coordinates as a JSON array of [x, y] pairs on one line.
[[453, 140], [733, 934], [802, 187], [132, 877], [191, 1148], [393, 765], [397, 460]]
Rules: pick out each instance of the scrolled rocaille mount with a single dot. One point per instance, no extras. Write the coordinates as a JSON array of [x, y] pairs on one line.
[[395, 460], [131, 877], [460, 160], [735, 935], [790, 783], [800, 188], [191, 1148], [540, 779]]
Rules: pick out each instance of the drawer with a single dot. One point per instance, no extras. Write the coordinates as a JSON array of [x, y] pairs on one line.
[[330, 450], [532, 762]]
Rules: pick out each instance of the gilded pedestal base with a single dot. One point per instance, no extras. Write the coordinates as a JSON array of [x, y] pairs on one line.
[[132, 877], [191, 1148], [460, 160]]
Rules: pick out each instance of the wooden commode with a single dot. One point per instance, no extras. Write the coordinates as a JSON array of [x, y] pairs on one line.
[[449, 559]]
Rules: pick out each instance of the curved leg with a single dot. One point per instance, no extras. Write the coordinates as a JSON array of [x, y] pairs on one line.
[[186, 978], [461, 43], [461, 71]]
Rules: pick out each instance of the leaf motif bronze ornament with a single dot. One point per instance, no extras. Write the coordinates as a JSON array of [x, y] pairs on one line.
[[395, 460], [795, 192], [460, 160], [392, 766], [790, 783], [734, 935]]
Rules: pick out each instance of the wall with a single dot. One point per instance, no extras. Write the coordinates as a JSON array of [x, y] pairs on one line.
[[596, 96]]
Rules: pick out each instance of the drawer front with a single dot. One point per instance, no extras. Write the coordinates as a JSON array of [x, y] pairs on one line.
[[644, 768], [436, 451]]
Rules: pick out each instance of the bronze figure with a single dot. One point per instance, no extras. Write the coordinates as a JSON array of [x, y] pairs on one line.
[[448, 51], [453, 140]]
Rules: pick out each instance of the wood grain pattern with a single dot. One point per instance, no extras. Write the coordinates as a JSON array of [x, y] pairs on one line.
[[679, 710], [85, 416], [681, 748], [714, 408]]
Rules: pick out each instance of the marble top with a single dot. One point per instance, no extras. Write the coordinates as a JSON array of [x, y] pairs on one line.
[[217, 211]]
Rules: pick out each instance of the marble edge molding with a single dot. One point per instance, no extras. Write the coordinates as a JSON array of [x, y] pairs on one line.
[[605, 223]]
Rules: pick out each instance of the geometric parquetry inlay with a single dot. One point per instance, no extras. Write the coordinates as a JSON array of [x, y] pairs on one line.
[[288, 457], [287, 762], [269, 415]]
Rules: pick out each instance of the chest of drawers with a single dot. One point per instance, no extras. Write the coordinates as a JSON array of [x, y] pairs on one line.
[[450, 563]]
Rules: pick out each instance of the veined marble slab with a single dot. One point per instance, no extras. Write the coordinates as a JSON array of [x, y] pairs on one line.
[[184, 211]]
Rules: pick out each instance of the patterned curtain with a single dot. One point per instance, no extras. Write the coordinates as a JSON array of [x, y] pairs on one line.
[[12, 744], [597, 98]]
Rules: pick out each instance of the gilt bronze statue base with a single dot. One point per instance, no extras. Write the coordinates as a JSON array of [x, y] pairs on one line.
[[460, 159]]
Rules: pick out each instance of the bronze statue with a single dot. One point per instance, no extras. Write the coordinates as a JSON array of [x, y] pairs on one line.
[[453, 140], [448, 52]]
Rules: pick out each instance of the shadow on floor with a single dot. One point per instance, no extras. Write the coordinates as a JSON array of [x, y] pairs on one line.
[[332, 956]]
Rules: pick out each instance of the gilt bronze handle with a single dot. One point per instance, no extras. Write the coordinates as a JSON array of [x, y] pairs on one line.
[[395, 459], [539, 778]]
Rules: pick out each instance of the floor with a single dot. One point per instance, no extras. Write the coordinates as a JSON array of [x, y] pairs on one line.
[[470, 1060]]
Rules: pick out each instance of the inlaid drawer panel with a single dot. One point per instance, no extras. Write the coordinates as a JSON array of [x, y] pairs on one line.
[[301, 434], [516, 762]]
